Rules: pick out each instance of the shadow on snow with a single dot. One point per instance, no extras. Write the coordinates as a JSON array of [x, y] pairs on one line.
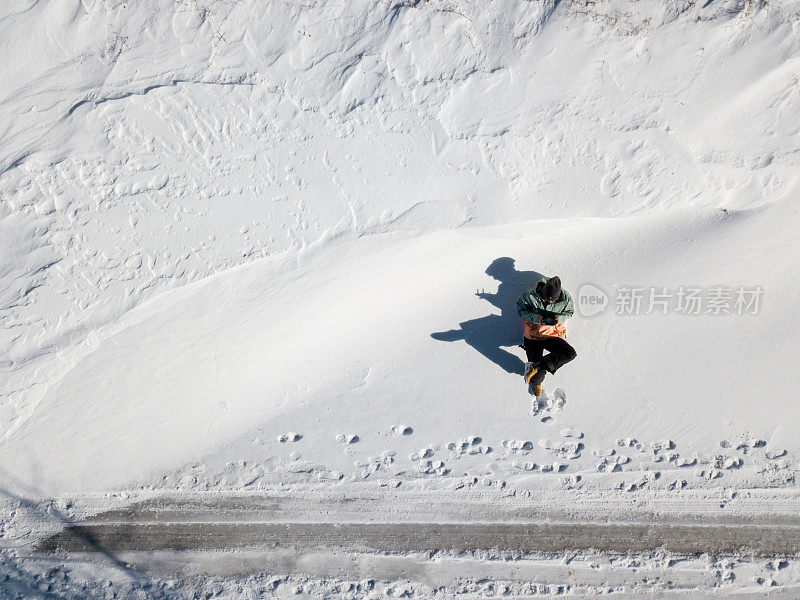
[[490, 335]]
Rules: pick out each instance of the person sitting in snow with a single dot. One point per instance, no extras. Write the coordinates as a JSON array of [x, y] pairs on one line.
[[544, 308]]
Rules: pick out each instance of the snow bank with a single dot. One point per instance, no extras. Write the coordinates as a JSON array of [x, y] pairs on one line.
[[222, 223]]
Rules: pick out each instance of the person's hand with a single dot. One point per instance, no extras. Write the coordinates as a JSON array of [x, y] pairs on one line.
[[549, 320]]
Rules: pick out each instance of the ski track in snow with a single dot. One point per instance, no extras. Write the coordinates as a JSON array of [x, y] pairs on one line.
[[485, 573], [622, 577]]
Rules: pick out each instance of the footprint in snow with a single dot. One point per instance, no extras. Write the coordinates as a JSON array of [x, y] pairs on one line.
[[571, 433], [568, 449], [743, 447], [544, 404], [730, 462], [375, 463], [348, 439], [433, 467], [773, 454], [464, 443], [662, 445], [402, 430], [603, 452], [708, 473], [290, 437], [632, 486], [327, 475], [753, 443], [422, 454], [518, 445], [608, 467], [778, 564], [526, 466], [470, 445], [612, 463], [552, 468]]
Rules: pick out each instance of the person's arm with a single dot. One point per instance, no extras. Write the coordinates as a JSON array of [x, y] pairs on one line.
[[568, 310], [555, 317], [526, 310]]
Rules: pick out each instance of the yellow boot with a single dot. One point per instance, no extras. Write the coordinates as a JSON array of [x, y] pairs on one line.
[[530, 371], [535, 379]]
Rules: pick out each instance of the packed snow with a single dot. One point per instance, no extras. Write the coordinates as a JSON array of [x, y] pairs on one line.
[[276, 248]]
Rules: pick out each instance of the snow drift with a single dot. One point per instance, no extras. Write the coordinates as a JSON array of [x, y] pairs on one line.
[[223, 222]]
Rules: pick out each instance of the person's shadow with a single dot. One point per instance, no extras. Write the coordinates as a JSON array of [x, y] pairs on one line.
[[489, 335]]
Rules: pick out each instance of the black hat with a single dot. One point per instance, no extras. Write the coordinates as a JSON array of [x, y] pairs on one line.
[[551, 290]]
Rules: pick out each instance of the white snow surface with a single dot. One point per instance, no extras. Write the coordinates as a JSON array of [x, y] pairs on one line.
[[274, 248], [249, 244]]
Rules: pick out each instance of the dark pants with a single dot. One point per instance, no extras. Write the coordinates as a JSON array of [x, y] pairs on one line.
[[560, 352]]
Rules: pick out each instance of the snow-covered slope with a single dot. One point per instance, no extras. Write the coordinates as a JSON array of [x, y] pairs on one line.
[[223, 223], [353, 339]]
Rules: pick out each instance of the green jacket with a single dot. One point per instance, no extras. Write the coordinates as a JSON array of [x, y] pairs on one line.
[[531, 305]]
